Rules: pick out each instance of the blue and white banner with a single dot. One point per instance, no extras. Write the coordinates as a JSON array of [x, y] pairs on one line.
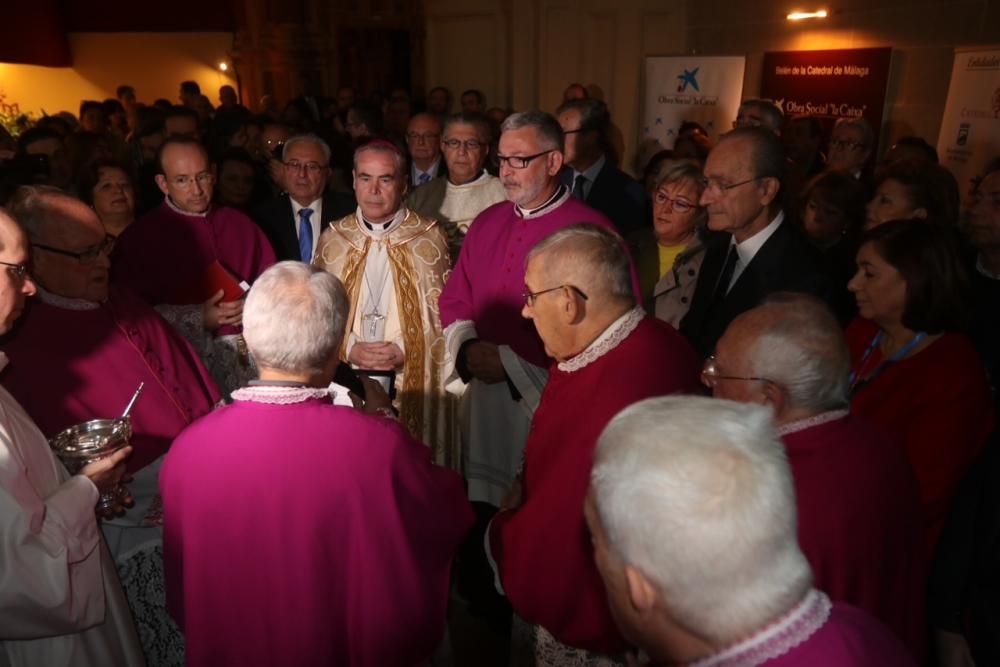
[[703, 89], [970, 127]]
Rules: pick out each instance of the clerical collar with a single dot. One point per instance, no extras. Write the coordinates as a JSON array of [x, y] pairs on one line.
[[288, 393], [382, 227], [981, 268], [64, 302], [609, 339], [180, 211], [815, 420], [555, 201], [777, 639]]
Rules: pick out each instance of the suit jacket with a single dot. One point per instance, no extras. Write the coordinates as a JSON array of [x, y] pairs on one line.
[[617, 195], [786, 262], [276, 219]]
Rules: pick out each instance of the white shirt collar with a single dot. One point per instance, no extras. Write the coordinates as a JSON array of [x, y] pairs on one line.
[[750, 247], [379, 230], [431, 170], [609, 339], [180, 211], [316, 205], [558, 198], [591, 172]]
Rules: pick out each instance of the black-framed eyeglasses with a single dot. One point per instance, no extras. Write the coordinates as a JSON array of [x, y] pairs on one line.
[[85, 256], [715, 185], [710, 374], [469, 144], [520, 162], [529, 297], [19, 271]]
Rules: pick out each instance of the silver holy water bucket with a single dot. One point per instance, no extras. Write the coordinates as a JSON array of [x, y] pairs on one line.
[[91, 441]]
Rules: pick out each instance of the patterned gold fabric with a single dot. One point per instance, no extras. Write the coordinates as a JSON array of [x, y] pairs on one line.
[[418, 259]]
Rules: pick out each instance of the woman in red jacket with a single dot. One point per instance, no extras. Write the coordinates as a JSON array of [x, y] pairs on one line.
[[913, 374]]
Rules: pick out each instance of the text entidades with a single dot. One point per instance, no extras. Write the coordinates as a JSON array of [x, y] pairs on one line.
[[822, 70]]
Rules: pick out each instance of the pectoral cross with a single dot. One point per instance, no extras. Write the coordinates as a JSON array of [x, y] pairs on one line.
[[373, 319]]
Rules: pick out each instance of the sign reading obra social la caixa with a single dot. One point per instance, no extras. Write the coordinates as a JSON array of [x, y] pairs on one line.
[[970, 127], [842, 83], [702, 89]]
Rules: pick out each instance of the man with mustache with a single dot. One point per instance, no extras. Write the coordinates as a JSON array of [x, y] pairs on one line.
[[393, 263]]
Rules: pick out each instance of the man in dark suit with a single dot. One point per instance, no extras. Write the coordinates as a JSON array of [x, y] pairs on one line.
[[590, 175], [757, 252], [294, 220], [423, 142]]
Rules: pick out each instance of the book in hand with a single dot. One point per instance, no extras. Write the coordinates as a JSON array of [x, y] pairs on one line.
[[215, 277]]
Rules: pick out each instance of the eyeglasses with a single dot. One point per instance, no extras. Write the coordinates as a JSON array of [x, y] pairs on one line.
[[840, 144], [715, 185], [86, 256], [471, 145], [679, 205], [427, 136], [203, 179], [19, 271], [519, 162], [312, 167], [710, 374], [529, 297]]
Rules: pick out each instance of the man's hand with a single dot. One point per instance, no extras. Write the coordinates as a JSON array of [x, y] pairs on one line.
[[483, 361], [376, 400], [514, 496], [106, 475], [376, 356], [216, 313]]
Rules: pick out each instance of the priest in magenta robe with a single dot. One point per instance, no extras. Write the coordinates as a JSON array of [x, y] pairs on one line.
[[692, 514], [489, 347], [193, 259], [859, 520], [299, 531], [61, 604], [80, 352], [608, 354]]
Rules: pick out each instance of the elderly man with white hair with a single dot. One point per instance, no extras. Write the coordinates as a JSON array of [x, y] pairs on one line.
[[692, 516], [608, 354], [299, 531], [857, 499]]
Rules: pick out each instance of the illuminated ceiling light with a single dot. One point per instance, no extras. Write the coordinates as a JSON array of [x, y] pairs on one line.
[[799, 16], [223, 67]]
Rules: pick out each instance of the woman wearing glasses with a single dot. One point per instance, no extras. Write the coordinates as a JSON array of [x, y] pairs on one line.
[[912, 374], [669, 254]]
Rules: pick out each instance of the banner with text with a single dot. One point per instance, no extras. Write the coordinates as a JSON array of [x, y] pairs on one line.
[[703, 89], [970, 127], [843, 83]]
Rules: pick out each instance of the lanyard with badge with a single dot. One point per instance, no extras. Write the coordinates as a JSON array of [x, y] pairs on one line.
[[856, 383]]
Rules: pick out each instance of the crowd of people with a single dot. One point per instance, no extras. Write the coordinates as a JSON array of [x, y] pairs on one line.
[[399, 359]]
